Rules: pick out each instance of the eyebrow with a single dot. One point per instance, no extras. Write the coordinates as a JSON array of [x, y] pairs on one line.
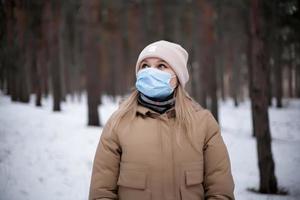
[[160, 60]]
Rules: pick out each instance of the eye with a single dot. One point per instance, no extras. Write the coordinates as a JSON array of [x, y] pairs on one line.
[[162, 66], [144, 66]]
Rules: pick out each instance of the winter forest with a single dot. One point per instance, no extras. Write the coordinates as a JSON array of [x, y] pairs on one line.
[[66, 65]]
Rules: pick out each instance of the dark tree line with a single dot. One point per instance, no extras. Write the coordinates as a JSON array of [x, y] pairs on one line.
[[238, 49], [48, 46]]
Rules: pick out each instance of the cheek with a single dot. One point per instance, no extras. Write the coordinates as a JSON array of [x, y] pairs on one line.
[[173, 82]]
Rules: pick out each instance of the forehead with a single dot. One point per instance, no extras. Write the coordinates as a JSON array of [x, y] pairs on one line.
[[153, 59]]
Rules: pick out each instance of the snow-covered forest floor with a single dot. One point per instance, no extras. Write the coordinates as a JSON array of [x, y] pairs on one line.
[[47, 155]]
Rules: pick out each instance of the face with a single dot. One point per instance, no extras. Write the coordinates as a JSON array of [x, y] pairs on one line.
[[161, 65]]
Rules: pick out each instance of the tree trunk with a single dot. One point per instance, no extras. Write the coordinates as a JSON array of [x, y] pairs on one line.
[[207, 42], [269, 72], [23, 53], [171, 25], [37, 78], [115, 52], [278, 73], [297, 71], [8, 7], [219, 53], [190, 36], [91, 53], [63, 63], [235, 86], [154, 19], [259, 90], [249, 52], [53, 19], [37, 71], [290, 72], [297, 80], [136, 37]]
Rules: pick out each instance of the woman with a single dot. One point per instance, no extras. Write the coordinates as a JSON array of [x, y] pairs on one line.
[[160, 144]]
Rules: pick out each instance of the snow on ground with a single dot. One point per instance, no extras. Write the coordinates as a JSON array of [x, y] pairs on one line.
[[48, 155], [285, 129]]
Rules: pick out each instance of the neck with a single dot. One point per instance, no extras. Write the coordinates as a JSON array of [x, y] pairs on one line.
[[159, 105]]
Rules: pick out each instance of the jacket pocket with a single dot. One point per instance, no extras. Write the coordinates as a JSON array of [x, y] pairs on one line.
[[192, 184], [193, 177], [132, 182]]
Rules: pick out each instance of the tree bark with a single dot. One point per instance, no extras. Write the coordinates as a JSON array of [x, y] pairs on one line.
[[297, 80], [91, 54], [297, 73], [259, 90], [23, 53], [53, 20], [136, 37], [38, 67], [219, 53], [10, 34], [278, 73], [290, 72], [207, 62]]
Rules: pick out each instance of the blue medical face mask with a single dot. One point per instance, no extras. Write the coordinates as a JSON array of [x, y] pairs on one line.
[[154, 83]]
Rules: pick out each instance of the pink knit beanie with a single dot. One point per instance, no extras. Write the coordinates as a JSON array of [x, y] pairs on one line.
[[172, 53]]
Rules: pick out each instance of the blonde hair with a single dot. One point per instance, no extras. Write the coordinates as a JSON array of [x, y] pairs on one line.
[[183, 108]]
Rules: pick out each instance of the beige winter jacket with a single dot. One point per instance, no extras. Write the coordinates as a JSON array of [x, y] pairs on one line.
[[141, 160]]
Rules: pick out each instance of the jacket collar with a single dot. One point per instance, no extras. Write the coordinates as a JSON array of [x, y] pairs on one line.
[[148, 112]]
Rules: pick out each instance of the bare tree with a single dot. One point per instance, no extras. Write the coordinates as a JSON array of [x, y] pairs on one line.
[[24, 51], [207, 56], [278, 73], [259, 99], [91, 48], [53, 19]]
